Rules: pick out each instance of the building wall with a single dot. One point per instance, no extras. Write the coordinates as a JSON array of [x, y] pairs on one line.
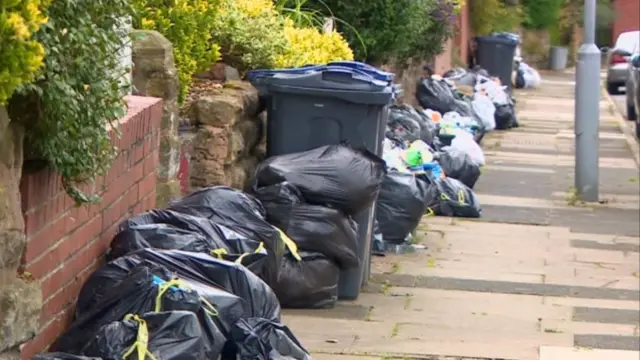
[[627, 17], [458, 46], [67, 243]]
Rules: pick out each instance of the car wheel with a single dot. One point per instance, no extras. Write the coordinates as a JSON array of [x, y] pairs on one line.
[[631, 112], [613, 89]]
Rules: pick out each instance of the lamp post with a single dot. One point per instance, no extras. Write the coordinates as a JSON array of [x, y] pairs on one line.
[[587, 109]]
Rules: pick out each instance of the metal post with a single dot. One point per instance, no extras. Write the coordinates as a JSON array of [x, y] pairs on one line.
[[587, 109]]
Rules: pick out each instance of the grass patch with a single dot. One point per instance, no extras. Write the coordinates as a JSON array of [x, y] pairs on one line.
[[395, 330], [386, 287], [369, 314], [395, 267], [407, 301], [552, 331], [572, 197]]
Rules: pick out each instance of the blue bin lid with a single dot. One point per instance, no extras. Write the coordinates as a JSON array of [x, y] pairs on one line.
[[358, 67], [331, 77], [373, 71], [500, 38], [334, 81]]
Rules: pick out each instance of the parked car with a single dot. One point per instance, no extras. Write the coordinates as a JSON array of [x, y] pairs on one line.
[[617, 62], [633, 91]]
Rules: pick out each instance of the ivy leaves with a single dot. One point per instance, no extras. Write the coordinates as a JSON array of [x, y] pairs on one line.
[[79, 93]]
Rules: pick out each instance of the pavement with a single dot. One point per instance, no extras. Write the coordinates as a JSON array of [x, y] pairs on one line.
[[620, 102], [542, 276]]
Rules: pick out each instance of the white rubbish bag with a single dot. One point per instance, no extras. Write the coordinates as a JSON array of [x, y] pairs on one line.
[[484, 109], [465, 142], [532, 78]]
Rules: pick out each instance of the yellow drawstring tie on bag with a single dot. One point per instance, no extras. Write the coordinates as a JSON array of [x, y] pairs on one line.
[[291, 245], [141, 345], [219, 252], [257, 251], [162, 289], [461, 197]]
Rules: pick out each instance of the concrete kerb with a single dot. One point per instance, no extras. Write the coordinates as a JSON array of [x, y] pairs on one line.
[[629, 134]]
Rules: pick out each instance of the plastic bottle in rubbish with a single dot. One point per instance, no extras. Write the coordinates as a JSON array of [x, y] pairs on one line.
[[434, 168]]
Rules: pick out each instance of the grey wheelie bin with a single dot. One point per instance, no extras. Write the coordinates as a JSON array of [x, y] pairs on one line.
[[325, 106], [496, 54]]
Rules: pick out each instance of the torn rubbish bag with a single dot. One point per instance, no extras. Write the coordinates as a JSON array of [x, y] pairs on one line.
[[450, 197], [144, 289], [247, 252], [403, 127], [337, 176], [313, 228], [458, 165], [311, 283], [261, 339], [400, 206], [400, 113], [174, 335], [240, 212]]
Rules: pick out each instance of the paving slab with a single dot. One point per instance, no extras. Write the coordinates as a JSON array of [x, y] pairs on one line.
[[573, 353], [540, 276]]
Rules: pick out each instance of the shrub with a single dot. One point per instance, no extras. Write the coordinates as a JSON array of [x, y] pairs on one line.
[[188, 24], [380, 30], [310, 46], [432, 29], [250, 33], [77, 95], [489, 16], [542, 14], [20, 54]]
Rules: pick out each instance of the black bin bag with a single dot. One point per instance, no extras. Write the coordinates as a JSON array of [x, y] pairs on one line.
[[400, 205], [450, 197], [235, 247], [313, 228], [406, 116], [505, 117], [230, 287], [309, 283], [62, 356], [239, 212], [261, 339], [435, 95], [143, 289], [174, 335], [458, 164], [337, 176], [402, 126]]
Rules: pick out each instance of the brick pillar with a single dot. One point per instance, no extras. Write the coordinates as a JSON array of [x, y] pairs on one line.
[[155, 74]]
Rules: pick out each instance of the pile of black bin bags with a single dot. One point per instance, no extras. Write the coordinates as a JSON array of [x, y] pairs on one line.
[[205, 277]]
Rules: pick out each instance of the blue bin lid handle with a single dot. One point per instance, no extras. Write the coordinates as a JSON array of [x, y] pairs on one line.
[[346, 73]]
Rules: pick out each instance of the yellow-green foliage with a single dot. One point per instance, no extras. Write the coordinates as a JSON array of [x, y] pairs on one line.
[[488, 16], [250, 33], [310, 46], [20, 55], [188, 24]]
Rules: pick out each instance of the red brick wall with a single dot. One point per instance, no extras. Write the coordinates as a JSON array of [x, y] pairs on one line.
[[66, 243], [627, 17]]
